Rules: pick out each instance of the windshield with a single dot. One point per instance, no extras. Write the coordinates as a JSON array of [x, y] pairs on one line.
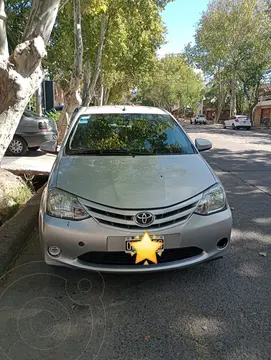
[[128, 134]]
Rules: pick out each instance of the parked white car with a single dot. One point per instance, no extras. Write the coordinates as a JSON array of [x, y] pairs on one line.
[[199, 119], [238, 122]]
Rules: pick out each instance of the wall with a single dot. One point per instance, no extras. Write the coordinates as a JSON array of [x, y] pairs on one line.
[[257, 116]]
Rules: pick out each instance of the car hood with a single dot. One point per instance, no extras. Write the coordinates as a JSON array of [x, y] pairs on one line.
[[140, 182]]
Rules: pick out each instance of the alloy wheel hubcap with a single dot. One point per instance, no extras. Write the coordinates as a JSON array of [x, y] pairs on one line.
[[16, 146]]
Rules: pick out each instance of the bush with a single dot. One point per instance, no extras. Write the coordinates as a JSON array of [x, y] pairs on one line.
[[54, 115]]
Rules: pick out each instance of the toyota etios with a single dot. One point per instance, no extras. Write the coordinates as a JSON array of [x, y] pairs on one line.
[[130, 192]]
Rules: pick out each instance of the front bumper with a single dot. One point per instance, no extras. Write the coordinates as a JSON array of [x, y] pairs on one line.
[[76, 238]]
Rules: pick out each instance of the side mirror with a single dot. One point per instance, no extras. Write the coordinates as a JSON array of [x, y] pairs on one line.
[[49, 147], [203, 145]]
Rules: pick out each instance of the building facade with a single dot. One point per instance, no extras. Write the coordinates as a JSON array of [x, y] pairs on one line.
[[263, 108]]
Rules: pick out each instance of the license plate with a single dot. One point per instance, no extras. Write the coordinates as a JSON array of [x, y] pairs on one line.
[[128, 247]]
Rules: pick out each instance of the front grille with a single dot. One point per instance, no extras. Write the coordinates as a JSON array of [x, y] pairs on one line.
[[124, 218], [122, 258], [136, 227]]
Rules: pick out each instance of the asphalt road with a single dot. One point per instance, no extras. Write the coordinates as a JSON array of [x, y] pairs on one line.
[[219, 310]]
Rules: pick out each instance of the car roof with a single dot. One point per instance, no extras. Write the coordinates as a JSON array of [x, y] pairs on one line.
[[241, 116], [119, 109]]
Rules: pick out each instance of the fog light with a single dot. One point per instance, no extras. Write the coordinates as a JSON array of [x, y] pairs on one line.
[[54, 251], [222, 243]]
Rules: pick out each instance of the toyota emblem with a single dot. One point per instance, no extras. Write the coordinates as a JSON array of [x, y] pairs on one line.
[[144, 219]]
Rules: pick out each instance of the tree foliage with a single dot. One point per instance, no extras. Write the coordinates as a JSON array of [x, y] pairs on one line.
[[172, 83], [233, 38], [134, 32]]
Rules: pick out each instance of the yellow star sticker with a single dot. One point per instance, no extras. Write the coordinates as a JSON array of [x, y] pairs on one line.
[[146, 249]]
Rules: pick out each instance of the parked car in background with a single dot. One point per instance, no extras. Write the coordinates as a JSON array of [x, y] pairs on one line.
[[199, 119], [31, 132], [238, 122], [123, 171]]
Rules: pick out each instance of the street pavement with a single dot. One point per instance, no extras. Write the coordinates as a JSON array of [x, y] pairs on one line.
[[36, 162], [219, 310]]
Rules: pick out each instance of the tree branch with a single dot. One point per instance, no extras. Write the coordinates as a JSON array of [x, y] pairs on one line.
[[41, 19], [78, 41], [98, 60]]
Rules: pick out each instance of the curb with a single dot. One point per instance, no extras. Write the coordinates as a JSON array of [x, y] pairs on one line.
[[15, 232]]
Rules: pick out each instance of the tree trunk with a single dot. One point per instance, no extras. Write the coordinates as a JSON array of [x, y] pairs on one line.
[[252, 99], [21, 73], [72, 98], [233, 98], [251, 110], [90, 89], [87, 79], [106, 95], [221, 102], [101, 95], [39, 101], [3, 33]]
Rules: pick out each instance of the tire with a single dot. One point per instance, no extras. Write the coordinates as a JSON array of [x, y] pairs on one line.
[[224, 126], [249, 128], [35, 148], [233, 127], [17, 147]]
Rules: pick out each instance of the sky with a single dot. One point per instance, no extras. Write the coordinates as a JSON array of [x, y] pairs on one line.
[[180, 18]]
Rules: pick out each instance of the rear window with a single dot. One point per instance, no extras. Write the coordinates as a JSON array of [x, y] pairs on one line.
[[143, 134]]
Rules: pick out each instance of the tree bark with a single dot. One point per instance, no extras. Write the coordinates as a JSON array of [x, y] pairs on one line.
[[72, 98], [252, 100], [221, 103], [106, 95], [90, 89], [21, 73], [87, 79], [3, 33], [39, 101], [233, 98], [101, 95]]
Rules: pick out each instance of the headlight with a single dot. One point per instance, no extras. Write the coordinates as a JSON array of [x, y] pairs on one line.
[[64, 205], [213, 200]]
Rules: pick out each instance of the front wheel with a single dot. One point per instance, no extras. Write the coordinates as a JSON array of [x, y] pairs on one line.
[[17, 147]]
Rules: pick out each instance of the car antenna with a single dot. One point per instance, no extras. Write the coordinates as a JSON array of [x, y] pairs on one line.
[[124, 108]]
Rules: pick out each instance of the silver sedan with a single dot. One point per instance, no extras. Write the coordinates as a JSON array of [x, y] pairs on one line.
[[124, 173]]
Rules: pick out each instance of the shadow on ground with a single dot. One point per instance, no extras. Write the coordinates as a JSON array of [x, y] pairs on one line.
[[255, 136], [30, 153]]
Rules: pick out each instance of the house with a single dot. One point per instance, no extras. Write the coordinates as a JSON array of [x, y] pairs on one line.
[[210, 112], [263, 108]]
